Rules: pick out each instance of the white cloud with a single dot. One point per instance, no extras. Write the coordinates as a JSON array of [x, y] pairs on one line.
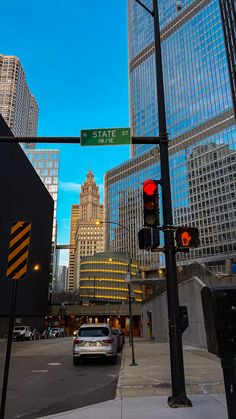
[[70, 186]]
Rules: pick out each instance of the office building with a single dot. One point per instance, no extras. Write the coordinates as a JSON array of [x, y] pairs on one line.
[[17, 105], [46, 164], [61, 281], [102, 278], [228, 14], [20, 111], [86, 236], [200, 123]]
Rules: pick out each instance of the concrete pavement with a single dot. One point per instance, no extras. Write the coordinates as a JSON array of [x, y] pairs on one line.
[[142, 390]]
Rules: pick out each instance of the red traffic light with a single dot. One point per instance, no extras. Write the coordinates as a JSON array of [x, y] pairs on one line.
[[150, 187], [187, 237], [150, 203]]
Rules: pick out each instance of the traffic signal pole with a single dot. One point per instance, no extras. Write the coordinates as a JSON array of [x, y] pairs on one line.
[[178, 397]]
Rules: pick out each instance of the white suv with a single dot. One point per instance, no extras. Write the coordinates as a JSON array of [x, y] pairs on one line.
[[22, 333], [95, 340]]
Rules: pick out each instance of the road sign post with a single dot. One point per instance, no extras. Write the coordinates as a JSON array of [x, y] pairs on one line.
[[106, 136], [16, 269]]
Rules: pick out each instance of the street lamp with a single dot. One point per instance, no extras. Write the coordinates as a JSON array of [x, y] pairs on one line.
[[133, 363], [178, 397]]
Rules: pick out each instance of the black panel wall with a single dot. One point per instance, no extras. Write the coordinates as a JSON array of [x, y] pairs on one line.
[[23, 196]]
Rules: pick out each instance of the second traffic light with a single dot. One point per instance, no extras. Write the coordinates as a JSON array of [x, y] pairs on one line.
[[151, 203]]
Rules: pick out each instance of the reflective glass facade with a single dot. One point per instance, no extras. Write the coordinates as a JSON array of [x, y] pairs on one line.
[[228, 14], [200, 123], [46, 164]]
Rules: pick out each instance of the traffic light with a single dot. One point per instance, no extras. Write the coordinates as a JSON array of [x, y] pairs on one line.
[[148, 238], [187, 237], [150, 203]]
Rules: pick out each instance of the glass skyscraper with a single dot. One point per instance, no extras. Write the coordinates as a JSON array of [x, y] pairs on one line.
[[200, 123], [46, 164]]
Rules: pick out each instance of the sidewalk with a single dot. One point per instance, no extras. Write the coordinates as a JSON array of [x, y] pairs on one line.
[[142, 390]]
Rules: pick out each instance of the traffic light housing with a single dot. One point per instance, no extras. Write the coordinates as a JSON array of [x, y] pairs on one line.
[[151, 203], [219, 312], [148, 238], [187, 237]]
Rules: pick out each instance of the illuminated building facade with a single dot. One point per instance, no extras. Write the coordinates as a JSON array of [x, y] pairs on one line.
[[102, 278], [200, 121]]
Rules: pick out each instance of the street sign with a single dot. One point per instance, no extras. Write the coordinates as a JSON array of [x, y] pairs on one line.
[[106, 136], [18, 250]]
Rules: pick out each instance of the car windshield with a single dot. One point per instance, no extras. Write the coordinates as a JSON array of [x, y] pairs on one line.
[[91, 332], [19, 328]]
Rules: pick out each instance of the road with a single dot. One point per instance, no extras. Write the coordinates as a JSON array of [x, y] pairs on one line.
[[43, 380]]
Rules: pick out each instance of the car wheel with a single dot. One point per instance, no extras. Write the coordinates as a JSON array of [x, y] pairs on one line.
[[76, 361]]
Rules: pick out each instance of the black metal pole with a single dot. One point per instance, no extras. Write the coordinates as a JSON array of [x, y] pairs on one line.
[[131, 326], [178, 397], [229, 372], [133, 363], [94, 296], [8, 352]]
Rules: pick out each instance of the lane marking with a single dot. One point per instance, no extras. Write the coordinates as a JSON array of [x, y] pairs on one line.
[[39, 371], [54, 363]]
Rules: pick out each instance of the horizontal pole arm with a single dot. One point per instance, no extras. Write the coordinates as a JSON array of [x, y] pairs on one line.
[[74, 140], [145, 7]]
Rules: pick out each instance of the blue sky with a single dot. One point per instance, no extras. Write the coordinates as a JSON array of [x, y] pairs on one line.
[[75, 56]]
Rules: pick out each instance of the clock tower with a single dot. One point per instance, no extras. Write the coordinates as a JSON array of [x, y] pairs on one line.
[[86, 235]]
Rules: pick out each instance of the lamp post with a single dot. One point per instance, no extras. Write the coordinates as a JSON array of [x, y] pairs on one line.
[[178, 397], [94, 295], [133, 363]]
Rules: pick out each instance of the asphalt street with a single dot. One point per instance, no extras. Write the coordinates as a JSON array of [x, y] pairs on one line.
[[43, 380]]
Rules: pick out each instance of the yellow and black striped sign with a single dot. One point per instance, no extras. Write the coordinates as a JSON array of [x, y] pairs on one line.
[[18, 250]]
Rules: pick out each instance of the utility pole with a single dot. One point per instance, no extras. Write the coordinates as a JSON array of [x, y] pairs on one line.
[[178, 397]]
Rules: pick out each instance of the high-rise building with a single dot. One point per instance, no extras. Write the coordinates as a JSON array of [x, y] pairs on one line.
[[60, 285], [86, 233], [228, 13], [17, 105], [200, 123], [20, 111], [46, 164]]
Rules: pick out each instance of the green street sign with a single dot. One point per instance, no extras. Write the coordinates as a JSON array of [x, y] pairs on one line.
[[111, 136]]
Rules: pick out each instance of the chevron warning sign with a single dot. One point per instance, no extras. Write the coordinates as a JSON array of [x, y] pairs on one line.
[[18, 250]]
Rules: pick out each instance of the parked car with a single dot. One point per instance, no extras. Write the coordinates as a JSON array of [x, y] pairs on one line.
[[95, 340], [22, 333], [120, 338], [46, 334], [58, 332], [36, 334]]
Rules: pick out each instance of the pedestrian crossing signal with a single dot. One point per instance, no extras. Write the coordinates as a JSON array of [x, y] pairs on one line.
[[187, 237]]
